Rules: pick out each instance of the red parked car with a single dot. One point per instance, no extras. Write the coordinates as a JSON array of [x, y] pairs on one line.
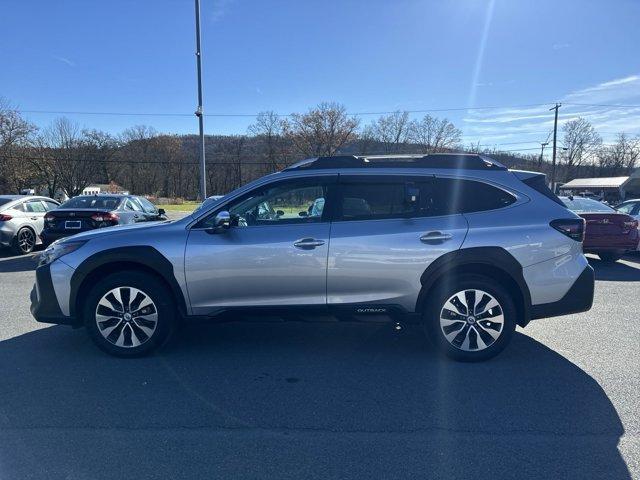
[[608, 233]]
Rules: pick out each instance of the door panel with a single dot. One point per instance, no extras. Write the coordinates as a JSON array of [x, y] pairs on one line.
[[35, 211], [381, 261], [274, 253], [259, 265]]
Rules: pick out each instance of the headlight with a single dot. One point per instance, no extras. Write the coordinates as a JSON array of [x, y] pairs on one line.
[[57, 250]]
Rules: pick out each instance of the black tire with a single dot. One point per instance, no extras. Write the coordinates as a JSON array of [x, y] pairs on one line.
[[609, 257], [135, 328], [19, 246], [435, 331]]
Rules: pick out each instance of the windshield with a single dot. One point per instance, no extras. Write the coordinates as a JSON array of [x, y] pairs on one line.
[[97, 202], [585, 205]]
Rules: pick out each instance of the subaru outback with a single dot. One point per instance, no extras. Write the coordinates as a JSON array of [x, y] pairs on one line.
[[457, 243]]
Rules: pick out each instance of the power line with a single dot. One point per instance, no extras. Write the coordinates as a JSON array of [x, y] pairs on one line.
[[130, 163], [356, 114], [601, 105]]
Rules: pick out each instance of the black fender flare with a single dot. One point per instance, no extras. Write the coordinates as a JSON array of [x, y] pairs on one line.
[[478, 258], [146, 257]]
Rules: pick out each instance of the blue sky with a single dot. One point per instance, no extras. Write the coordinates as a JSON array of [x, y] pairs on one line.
[[286, 56]]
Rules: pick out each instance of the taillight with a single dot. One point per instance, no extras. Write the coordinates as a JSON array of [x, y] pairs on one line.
[[630, 224], [4, 217], [49, 218], [105, 217], [571, 227]]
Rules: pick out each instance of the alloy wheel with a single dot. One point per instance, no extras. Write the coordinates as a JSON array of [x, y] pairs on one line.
[[26, 240], [471, 320], [126, 317]]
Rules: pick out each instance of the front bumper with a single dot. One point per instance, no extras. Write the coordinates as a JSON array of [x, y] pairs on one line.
[[579, 298], [44, 303]]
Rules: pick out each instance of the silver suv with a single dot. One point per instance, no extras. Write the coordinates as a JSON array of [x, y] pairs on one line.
[[457, 243]]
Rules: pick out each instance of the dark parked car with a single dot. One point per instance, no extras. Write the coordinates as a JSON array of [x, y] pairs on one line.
[[88, 212], [609, 234]]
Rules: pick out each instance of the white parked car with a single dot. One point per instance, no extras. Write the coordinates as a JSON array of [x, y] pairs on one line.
[[630, 207]]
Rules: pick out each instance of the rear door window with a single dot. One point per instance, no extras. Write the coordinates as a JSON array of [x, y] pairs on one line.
[[132, 204], [382, 197], [454, 195], [626, 208], [148, 207], [49, 205], [34, 206]]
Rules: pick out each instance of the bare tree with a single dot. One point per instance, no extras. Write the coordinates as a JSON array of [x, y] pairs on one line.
[[71, 161], [135, 158], [323, 130], [435, 135], [620, 158], [390, 131], [102, 147], [15, 136], [273, 148], [580, 142]]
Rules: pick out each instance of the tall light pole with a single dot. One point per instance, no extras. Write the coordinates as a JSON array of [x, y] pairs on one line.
[[555, 134], [199, 112]]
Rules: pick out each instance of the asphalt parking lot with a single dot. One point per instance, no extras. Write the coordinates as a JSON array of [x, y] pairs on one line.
[[323, 400]]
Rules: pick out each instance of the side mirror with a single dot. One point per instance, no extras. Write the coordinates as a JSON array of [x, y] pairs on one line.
[[161, 211], [221, 222]]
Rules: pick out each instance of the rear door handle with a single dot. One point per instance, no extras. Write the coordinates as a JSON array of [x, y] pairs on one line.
[[308, 243], [435, 237]]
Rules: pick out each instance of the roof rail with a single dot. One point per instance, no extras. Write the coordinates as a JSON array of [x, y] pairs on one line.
[[461, 161]]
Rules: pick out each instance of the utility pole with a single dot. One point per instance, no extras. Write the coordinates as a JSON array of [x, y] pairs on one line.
[[555, 135], [542, 153], [199, 112]]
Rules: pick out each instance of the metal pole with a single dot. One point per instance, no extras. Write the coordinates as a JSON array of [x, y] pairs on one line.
[[542, 153], [555, 133], [199, 112]]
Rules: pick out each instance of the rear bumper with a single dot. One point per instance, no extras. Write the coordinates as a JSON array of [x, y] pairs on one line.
[[621, 243], [6, 235], [49, 237], [579, 298], [44, 303]]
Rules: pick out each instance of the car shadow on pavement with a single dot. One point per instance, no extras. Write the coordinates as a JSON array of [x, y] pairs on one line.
[[299, 400], [616, 271], [10, 262]]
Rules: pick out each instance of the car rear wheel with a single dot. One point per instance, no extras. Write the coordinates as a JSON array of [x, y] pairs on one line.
[[470, 319], [129, 314], [24, 241], [610, 257]]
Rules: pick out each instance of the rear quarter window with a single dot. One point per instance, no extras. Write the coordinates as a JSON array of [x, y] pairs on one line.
[[452, 195]]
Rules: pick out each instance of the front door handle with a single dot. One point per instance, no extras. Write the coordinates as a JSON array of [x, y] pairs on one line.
[[34, 218], [308, 243], [435, 237]]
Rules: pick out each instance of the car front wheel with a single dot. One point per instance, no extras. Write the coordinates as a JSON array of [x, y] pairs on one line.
[[471, 318], [129, 314]]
